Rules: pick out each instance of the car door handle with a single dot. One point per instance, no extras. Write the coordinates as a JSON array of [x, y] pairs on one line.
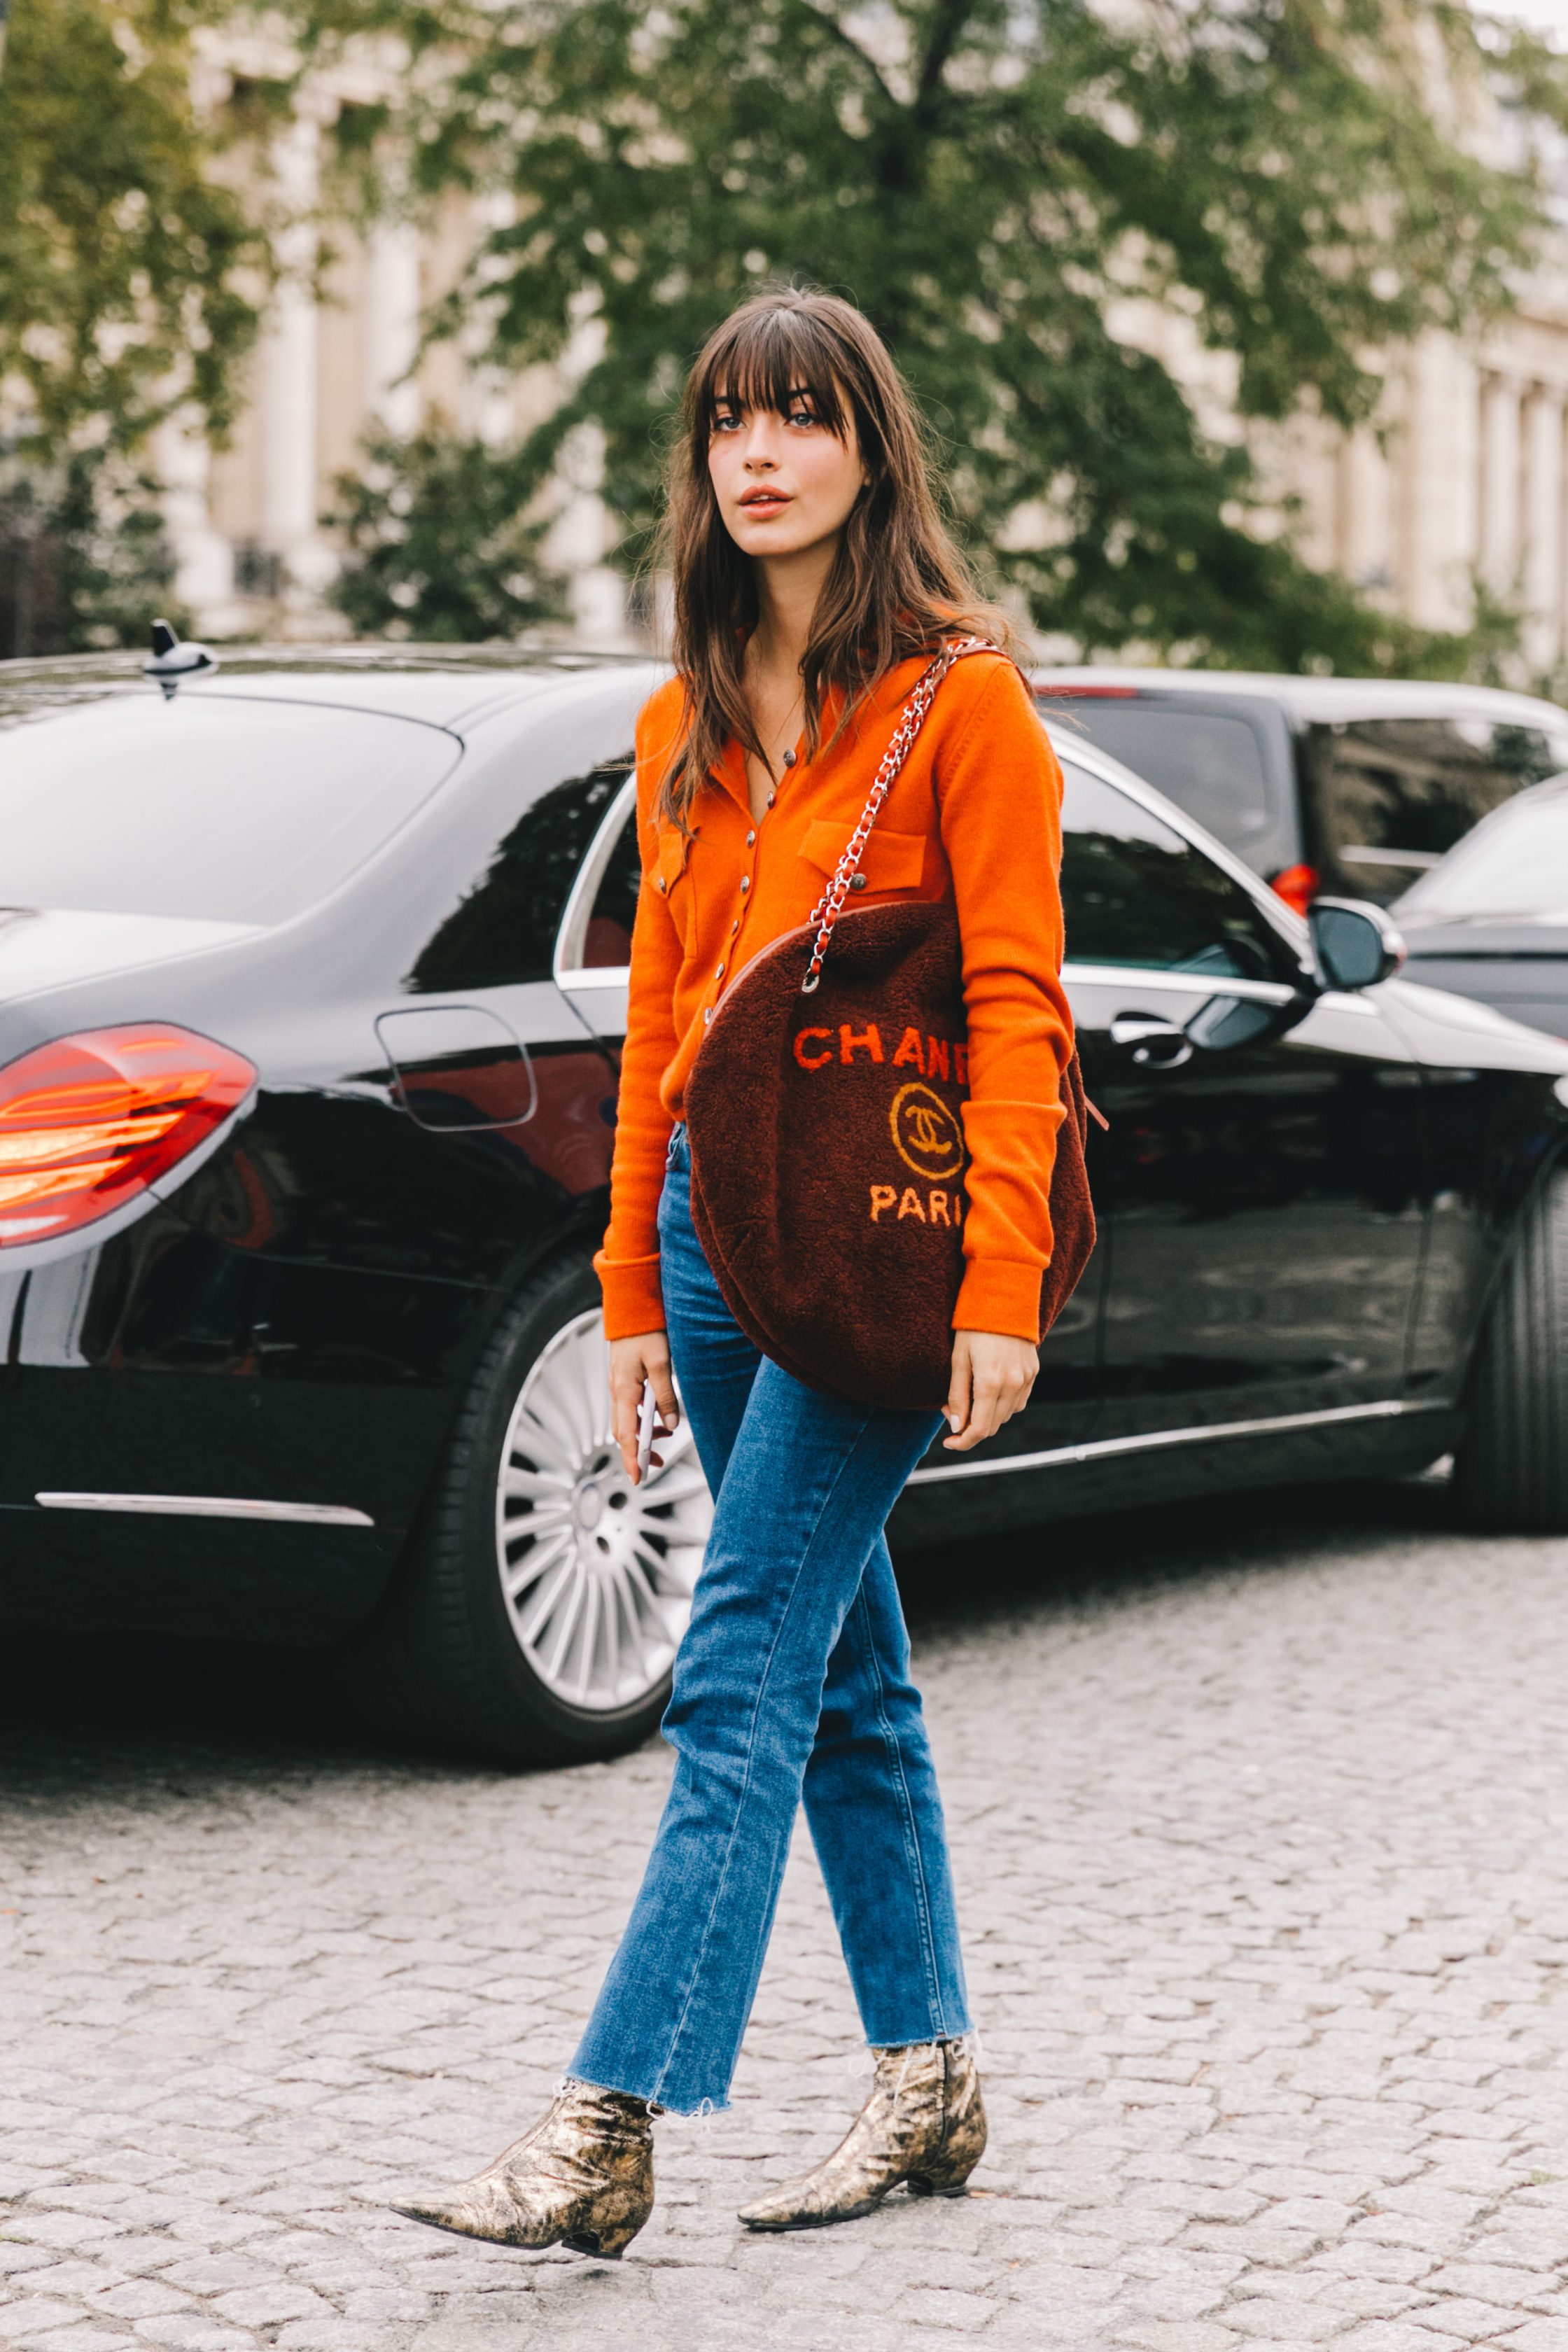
[[1156, 1044]]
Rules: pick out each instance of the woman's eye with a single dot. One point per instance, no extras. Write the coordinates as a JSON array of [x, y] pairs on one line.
[[801, 416]]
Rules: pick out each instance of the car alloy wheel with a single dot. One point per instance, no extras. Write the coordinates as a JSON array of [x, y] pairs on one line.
[[596, 1574]]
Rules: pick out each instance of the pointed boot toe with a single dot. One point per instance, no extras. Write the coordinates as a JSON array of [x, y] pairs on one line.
[[809, 2204], [582, 2178], [438, 2213], [923, 2124], [480, 2208]]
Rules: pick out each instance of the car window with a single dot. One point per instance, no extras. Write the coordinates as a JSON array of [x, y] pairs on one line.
[[1394, 794], [1134, 892], [1210, 764], [608, 940], [234, 811], [501, 932], [1514, 862]]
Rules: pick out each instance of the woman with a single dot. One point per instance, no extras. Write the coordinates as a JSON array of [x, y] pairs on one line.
[[813, 584]]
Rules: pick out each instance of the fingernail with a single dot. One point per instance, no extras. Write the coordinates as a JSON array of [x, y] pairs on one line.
[[955, 1423]]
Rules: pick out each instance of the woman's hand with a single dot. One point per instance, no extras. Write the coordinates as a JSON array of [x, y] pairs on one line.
[[991, 1377], [634, 1361]]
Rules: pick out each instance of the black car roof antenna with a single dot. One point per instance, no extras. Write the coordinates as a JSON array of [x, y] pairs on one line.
[[173, 659]]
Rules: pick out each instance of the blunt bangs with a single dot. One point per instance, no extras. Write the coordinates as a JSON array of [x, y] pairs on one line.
[[767, 355], [897, 587]]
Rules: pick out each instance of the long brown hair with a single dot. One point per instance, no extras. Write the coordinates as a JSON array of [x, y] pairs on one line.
[[897, 586]]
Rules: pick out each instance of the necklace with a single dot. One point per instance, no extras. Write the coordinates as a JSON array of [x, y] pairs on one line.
[[776, 763]]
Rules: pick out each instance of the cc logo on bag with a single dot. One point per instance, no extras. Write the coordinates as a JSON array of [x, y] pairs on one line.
[[926, 1136]]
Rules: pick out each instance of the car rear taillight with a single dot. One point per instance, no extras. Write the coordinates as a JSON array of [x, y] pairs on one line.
[[90, 1121], [1296, 885]]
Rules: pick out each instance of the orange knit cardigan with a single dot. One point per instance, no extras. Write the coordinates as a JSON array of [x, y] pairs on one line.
[[975, 817]]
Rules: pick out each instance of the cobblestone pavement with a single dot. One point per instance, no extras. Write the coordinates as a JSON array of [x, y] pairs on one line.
[[1260, 1826]]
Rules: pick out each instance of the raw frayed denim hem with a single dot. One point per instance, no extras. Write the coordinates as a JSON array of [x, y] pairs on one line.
[[655, 2108]]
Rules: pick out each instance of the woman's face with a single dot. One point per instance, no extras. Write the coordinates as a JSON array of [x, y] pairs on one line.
[[784, 483]]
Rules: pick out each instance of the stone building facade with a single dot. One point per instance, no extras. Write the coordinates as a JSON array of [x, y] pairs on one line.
[[1464, 477], [1465, 482], [340, 357]]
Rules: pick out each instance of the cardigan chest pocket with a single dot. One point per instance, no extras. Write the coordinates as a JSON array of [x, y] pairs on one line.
[[672, 876], [890, 861]]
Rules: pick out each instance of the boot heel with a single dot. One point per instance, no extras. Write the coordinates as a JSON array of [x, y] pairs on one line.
[[608, 2240], [603, 2245], [949, 2179]]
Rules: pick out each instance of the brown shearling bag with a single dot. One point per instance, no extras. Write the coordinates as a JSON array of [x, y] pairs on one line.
[[824, 1115]]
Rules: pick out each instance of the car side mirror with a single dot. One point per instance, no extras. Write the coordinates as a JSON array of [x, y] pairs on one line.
[[1354, 942]]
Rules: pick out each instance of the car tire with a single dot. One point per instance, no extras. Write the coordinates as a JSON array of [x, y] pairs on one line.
[[535, 1615], [1510, 1469]]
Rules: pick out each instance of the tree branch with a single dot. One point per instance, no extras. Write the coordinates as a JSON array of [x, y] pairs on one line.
[[830, 25], [946, 26]]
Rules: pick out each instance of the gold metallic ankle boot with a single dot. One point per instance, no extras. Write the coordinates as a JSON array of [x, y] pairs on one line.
[[924, 2123], [582, 2178]]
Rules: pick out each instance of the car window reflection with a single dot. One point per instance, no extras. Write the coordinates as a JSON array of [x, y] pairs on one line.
[[607, 940], [1136, 893], [501, 932]]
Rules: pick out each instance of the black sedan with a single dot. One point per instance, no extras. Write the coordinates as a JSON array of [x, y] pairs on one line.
[[312, 971], [1323, 785], [1491, 921]]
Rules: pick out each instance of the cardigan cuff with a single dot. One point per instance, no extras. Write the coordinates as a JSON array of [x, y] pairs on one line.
[[1000, 1295], [633, 1302]]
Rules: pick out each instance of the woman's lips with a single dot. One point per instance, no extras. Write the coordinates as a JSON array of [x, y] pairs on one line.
[[764, 502]]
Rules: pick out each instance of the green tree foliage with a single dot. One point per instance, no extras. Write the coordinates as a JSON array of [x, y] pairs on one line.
[[129, 276], [1015, 191], [438, 543], [130, 284], [135, 262], [84, 561]]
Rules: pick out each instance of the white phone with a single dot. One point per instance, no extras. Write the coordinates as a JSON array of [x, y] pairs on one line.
[[646, 1419]]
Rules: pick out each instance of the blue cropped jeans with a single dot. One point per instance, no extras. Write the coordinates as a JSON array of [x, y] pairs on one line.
[[792, 1679]]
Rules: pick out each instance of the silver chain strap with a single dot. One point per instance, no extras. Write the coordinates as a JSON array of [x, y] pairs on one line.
[[830, 906]]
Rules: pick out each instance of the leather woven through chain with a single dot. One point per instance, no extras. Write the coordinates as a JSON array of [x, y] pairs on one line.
[[830, 906]]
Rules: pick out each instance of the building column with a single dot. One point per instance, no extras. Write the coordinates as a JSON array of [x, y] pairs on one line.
[[575, 544], [392, 306], [286, 377], [1499, 485], [1436, 457], [203, 559], [1559, 656], [1543, 631], [1365, 549]]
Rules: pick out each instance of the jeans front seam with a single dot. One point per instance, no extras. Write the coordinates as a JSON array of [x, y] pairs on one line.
[[907, 1812], [762, 1681]]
